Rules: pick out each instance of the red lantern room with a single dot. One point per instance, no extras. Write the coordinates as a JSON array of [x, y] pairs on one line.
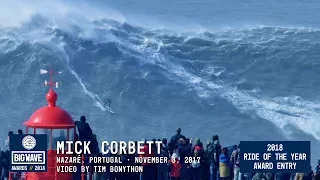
[[58, 125]]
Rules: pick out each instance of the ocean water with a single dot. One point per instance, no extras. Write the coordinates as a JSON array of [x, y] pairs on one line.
[[245, 70]]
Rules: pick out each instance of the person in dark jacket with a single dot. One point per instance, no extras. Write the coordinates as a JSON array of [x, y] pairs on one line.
[[156, 154], [308, 175], [206, 167], [316, 175], [282, 176], [269, 176], [5, 166], [17, 175], [214, 152], [98, 175], [174, 140], [20, 131], [114, 175], [259, 176], [199, 144], [127, 160], [163, 173], [148, 168], [317, 170], [184, 151], [84, 129], [94, 145]]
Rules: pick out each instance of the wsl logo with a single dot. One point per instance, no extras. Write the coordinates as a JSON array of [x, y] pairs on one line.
[[28, 153], [29, 142]]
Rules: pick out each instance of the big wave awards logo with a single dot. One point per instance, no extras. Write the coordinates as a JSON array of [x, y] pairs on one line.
[[28, 153]]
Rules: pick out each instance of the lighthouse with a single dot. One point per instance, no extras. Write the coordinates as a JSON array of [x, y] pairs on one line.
[[58, 125]]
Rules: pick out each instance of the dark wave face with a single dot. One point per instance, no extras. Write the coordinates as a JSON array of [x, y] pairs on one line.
[[258, 83]]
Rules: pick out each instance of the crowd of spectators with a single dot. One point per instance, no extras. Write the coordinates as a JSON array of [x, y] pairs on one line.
[[209, 161]]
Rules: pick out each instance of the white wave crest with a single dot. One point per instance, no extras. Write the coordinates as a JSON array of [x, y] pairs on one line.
[[300, 114], [17, 12]]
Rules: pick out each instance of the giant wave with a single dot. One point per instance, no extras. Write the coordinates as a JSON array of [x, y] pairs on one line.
[[257, 83]]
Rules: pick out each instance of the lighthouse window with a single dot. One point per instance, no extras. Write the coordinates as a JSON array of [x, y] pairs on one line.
[[59, 135], [44, 131], [30, 130]]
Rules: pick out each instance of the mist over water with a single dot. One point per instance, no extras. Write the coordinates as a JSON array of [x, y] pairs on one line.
[[243, 81]]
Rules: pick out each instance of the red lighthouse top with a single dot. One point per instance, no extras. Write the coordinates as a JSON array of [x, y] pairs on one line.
[[50, 116]]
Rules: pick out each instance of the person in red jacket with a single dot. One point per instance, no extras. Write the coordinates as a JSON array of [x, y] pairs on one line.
[[148, 168], [175, 165]]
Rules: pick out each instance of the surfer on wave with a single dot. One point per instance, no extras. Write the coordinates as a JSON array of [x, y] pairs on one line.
[[107, 102]]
